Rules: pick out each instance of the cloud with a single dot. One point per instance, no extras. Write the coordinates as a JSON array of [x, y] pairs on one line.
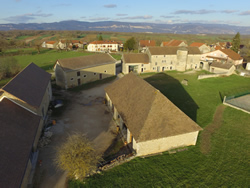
[[137, 17], [202, 11], [229, 11], [168, 16], [25, 17], [110, 6], [121, 14], [245, 13], [99, 19]]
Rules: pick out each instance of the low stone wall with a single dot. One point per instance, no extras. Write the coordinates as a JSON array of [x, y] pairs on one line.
[[203, 76]]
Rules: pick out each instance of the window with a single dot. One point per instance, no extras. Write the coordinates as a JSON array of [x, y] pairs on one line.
[[105, 71], [84, 75], [142, 65], [94, 73], [155, 63], [164, 61], [153, 68], [164, 56], [78, 73], [155, 56], [171, 63], [144, 68]]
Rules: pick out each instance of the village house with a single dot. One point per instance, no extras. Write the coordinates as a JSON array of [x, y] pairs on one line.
[[222, 56], [104, 46], [143, 44], [174, 43], [24, 102], [161, 59], [71, 72], [149, 122], [31, 89], [49, 44], [202, 47], [70, 44]]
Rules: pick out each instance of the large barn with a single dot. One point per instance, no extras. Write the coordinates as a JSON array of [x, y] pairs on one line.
[[148, 120]]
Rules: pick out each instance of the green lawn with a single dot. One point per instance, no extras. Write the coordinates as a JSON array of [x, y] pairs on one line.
[[227, 164]]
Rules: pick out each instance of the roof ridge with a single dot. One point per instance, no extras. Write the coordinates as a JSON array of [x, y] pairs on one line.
[[150, 109]]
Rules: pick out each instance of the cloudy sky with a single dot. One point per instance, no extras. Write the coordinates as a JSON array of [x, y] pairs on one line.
[[154, 11]]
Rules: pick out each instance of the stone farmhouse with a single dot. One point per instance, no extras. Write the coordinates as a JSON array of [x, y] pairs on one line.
[[24, 103], [222, 56], [202, 47], [104, 46], [217, 67], [174, 43], [143, 44], [162, 59], [71, 72], [149, 122]]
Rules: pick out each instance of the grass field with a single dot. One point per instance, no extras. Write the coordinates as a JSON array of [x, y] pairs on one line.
[[47, 60], [227, 163]]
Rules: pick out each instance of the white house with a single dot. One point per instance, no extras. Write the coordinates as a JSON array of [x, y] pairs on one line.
[[103, 46]]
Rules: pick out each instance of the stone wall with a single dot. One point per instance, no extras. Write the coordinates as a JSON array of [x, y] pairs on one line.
[[167, 143]]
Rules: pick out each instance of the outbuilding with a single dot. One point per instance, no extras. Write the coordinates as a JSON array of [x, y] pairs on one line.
[[71, 72], [148, 120]]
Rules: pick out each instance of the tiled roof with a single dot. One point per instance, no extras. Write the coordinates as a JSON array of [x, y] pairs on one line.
[[18, 129], [81, 62], [173, 43], [147, 113], [29, 85], [232, 54], [51, 42], [135, 58], [104, 42], [168, 50], [222, 65], [197, 44], [144, 43]]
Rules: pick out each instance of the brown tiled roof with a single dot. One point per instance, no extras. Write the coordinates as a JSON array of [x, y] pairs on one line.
[[197, 44], [51, 42], [135, 58], [218, 48], [76, 63], [104, 42], [169, 50], [29, 85], [144, 43], [222, 65], [165, 43], [232, 54], [173, 43], [18, 129], [147, 113]]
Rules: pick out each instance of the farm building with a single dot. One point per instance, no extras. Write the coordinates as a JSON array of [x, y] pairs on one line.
[[227, 68], [31, 89], [175, 43], [135, 62], [143, 44], [71, 72], [202, 47], [103, 46], [148, 120]]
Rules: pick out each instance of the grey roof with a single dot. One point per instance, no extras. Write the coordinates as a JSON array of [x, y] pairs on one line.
[[222, 65], [135, 58], [169, 50], [29, 85], [18, 130], [76, 63], [147, 113]]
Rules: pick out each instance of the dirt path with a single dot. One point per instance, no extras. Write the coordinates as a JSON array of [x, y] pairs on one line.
[[210, 129], [86, 113]]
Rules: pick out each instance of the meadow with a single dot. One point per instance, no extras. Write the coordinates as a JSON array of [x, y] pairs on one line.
[[225, 165]]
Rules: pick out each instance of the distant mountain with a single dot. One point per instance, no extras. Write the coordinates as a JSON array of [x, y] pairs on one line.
[[187, 28]]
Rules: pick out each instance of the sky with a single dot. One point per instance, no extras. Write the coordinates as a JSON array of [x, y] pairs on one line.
[[230, 12]]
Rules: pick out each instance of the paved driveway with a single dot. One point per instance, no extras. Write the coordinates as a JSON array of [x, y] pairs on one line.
[[85, 113]]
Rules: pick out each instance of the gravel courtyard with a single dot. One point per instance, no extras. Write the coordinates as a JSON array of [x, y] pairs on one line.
[[85, 113]]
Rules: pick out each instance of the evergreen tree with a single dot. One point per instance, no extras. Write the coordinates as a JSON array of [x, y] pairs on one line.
[[100, 37], [236, 43]]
